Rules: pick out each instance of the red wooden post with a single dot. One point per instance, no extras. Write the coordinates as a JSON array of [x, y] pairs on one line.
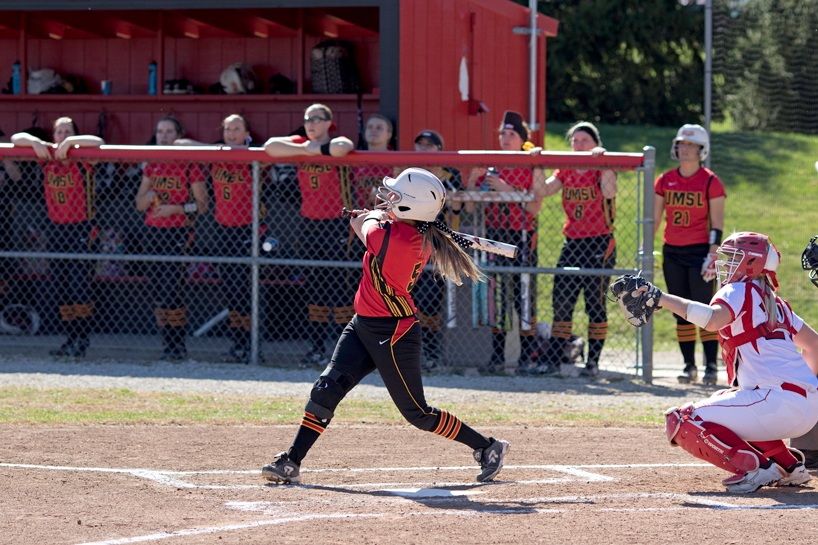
[[299, 54], [160, 62]]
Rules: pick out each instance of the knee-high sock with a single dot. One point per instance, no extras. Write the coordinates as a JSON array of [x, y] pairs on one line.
[[308, 433], [451, 427]]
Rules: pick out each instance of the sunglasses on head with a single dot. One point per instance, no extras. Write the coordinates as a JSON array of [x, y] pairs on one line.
[[315, 119]]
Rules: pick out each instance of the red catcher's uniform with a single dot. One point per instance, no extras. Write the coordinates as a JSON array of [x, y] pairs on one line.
[[588, 212], [233, 191], [367, 179], [687, 204], [69, 192], [392, 264], [513, 217], [171, 182], [325, 188]]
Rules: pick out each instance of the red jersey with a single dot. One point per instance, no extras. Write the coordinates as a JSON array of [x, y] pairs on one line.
[[325, 189], [368, 178], [687, 205], [392, 264], [509, 215], [171, 182], [588, 212], [233, 191], [69, 191]]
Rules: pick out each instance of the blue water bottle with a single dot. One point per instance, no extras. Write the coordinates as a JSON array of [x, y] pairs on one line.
[[152, 85], [16, 79]]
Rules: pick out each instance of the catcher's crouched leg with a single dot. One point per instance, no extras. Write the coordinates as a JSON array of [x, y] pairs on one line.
[[697, 438]]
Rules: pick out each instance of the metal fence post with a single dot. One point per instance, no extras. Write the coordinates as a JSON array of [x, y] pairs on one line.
[[649, 171], [254, 288]]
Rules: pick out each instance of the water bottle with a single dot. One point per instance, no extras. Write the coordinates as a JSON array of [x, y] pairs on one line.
[[16, 79], [152, 84], [490, 170]]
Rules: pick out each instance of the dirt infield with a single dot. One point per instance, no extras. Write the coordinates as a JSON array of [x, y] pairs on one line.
[[375, 484]]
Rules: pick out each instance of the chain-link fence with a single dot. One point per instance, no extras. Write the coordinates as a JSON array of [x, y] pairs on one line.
[[152, 253]]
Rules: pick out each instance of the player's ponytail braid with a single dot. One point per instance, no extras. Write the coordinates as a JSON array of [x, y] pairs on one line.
[[448, 252]]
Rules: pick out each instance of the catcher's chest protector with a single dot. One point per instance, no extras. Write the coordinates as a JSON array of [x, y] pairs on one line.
[[333, 68]]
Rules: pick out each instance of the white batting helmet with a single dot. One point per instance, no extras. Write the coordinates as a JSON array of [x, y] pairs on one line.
[[416, 194], [695, 134]]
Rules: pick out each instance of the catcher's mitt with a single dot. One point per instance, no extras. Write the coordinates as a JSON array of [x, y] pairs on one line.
[[637, 306]]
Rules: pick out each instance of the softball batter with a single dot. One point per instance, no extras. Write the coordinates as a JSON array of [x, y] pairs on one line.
[[384, 334], [773, 387]]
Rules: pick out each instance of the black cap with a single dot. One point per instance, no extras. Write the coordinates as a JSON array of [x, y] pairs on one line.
[[433, 137], [514, 121]]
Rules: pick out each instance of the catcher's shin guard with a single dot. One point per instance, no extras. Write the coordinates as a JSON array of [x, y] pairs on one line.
[[698, 438]]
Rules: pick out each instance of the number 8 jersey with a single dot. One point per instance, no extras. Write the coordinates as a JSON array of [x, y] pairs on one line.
[[588, 212], [687, 204]]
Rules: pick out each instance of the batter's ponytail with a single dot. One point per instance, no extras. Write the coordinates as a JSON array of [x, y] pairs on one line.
[[449, 258]]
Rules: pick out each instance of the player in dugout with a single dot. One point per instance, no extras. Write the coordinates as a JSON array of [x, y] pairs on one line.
[[70, 197], [325, 190], [772, 394]]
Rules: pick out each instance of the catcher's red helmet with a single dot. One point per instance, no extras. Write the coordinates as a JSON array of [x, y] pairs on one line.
[[748, 255]]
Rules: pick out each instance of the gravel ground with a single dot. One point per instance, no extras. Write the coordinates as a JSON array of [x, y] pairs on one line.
[[611, 390]]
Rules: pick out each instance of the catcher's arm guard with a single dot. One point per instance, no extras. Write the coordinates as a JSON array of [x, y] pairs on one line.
[[637, 306]]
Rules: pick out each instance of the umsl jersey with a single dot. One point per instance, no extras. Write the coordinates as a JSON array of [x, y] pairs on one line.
[[171, 182], [325, 188], [69, 191], [767, 359], [368, 178], [687, 204], [233, 191], [392, 264], [509, 215], [588, 212]]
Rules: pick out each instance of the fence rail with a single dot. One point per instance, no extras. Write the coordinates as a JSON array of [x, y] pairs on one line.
[[194, 270]]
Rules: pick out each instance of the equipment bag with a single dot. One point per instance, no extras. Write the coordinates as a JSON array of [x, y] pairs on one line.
[[333, 68]]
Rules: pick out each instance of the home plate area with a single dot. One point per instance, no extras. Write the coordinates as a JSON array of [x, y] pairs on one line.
[[354, 492]]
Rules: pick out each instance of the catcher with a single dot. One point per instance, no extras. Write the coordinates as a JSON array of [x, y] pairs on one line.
[[773, 387]]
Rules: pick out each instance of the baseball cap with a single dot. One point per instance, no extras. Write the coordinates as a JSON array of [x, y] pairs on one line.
[[433, 137]]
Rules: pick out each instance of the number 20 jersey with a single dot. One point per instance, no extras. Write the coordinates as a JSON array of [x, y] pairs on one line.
[[687, 205]]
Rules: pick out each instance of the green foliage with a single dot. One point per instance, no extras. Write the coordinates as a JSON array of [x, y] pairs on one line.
[[625, 62], [765, 64]]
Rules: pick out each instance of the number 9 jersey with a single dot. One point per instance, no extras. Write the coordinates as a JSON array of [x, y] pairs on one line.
[[687, 202]]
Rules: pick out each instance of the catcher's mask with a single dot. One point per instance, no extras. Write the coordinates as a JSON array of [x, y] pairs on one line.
[[809, 260], [416, 194], [748, 255]]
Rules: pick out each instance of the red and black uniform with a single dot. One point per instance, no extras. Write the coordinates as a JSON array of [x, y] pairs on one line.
[[70, 195], [512, 224], [325, 190], [169, 236], [383, 335], [233, 193], [589, 243], [686, 245]]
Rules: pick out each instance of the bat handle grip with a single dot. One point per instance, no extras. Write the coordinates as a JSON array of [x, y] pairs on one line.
[[347, 213]]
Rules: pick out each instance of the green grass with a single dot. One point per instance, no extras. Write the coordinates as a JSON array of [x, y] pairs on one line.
[[26, 405], [771, 185]]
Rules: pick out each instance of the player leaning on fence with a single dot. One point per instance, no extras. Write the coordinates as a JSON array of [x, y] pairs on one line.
[[232, 236], [171, 195], [325, 190], [588, 201], [69, 196], [384, 334], [693, 198], [515, 224], [773, 388]]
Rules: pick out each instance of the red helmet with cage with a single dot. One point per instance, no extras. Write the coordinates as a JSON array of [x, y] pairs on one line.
[[748, 255]]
